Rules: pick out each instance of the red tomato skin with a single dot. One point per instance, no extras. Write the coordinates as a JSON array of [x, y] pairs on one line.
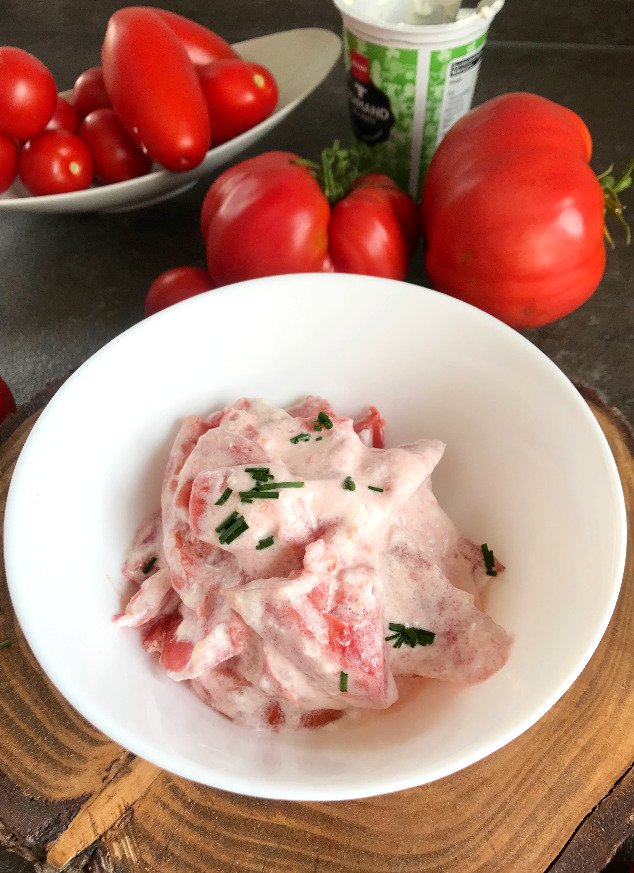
[[512, 213], [365, 236], [523, 240], [175, 285], [28, 95], [201, 44], [55, 162], [404, 207], [154, 88], [64, 117], [262, 217], [89, 92], [7, 401], [238, 94], [115, 155], [8, 161]]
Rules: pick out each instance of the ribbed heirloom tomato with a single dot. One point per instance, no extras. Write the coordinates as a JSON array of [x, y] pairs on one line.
[[512, 214]]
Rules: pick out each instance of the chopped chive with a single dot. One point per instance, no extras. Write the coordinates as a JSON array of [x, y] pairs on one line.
[[410, 636], [348, 484], [149, 564], [318, 438], [489, 560], [247, 496], [300, 438], [317, 426], [229, 534], [4, 644], [227, 522], [265, 543], [343, 681], [375, 488], [268, 486], [226, 494], [424, 637], [324, 418], [260, 474], [236, 533]]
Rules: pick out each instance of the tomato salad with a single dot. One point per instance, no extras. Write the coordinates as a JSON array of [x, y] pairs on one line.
[[296, 568]]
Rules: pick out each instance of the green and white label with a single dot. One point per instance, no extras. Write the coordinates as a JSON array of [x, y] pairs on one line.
[[424, 91]]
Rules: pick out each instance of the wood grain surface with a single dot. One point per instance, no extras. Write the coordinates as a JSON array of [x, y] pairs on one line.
[[558, 797]]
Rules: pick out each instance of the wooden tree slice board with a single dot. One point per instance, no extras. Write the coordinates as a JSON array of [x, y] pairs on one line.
[[558, 798]]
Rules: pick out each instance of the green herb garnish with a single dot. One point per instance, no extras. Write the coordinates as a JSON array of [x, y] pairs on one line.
[[348, 484], [226, 494], [317, 426], [227, 522], [324, 419], [411, 636], [149, 564], [300, 438], [374, 488], [489, 560], [318, 438], [233, 530], [343, 681], [268, 486], [265, 543], [260, 474], [5, 644], [247, 496]]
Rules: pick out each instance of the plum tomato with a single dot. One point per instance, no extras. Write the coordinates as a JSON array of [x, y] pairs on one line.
[[64, 117], [8, 161], [55, 162], [115, 155], [89, 92], [176, 285], [28, 95], [238, 94], [7, 403]]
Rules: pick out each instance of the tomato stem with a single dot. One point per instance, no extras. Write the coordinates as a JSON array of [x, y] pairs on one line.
[[612, 187], [336, 171]]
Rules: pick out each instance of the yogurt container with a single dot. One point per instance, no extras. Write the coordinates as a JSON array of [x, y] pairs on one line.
[[408, 81]]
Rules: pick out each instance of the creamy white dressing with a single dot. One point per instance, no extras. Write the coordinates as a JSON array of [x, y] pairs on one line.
[[265, 634]]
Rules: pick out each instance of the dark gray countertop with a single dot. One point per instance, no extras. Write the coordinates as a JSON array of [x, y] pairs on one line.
[[69, 283]]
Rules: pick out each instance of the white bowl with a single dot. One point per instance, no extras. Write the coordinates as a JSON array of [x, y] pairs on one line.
[[299, 59], [527, 470]]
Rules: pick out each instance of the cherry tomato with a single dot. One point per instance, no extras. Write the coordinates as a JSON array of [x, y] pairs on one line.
[[512, 213], [115, 155], [64, 117], [55, 162], [154, 88], [202, 45], [239, 95], [8, 161], [28, 95], [176, 285], [7, 402], [89, 92]]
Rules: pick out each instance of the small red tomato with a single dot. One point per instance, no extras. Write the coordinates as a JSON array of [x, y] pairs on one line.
[[115, 154], [28, 94], [8, 161], [239, 95], [64, 117], [7, 403], [89, 92], [176, 285], [202, 45], [55, 162]]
